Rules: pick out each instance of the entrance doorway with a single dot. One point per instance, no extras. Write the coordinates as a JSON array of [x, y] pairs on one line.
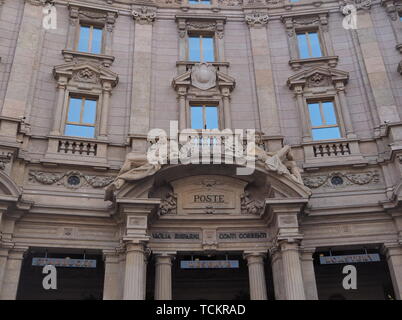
[[74, 282], [373, 278]]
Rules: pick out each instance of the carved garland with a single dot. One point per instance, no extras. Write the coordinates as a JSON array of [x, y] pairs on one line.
[[58, 178], [339, 179]]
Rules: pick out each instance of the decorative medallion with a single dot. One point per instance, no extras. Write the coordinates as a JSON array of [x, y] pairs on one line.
[[203, 76]]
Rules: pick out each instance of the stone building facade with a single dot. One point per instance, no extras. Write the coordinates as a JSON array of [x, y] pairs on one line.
[[58, 193]]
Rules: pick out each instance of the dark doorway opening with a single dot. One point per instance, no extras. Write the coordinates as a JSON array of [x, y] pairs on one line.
[[73, 283], [373, 278]]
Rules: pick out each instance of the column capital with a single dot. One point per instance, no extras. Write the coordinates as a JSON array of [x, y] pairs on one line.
[[256, 19], [254, 257], [391, 249], [144, 15]]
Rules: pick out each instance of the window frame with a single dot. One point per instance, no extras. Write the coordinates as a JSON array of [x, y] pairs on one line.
[[83, 97], [339, 120], [310, 48], [90, 40], [204, 104], [200, 2], [201, 35]]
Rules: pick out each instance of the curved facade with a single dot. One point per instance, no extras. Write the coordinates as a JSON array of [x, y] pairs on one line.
[[83, 83]]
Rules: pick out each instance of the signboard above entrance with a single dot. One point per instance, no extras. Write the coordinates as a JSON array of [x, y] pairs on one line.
[[67, 263], [353, 258], [209, 264]]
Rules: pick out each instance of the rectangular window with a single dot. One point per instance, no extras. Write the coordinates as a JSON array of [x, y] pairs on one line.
[[324, 124], [199, 1], [204, 117], [309, 45], [90, 39], [201, 49], [81, 117]]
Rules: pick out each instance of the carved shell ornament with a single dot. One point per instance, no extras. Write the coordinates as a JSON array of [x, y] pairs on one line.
[[203, 76]]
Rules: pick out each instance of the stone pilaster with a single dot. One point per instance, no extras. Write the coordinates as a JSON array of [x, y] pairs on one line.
[[12, 274], [393, 253], [141, 83], [307, 265], [267, 104], [256, 273], [292, 272], [163, 277], [3, 265], [134, 284], [375, 67], [18, 96], [112, 289]]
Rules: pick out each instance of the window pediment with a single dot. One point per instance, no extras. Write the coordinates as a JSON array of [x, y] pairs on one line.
[[318, 77], [204, 76], [86, 73]]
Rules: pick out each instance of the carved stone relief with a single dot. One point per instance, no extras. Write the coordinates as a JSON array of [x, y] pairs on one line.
[[69, 179], [144, 15], [203, 76], [341, 180]]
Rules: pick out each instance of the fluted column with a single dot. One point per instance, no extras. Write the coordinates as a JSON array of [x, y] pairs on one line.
[[163, 277], [134, 284], [256, 273], [277, 273], [292, 273], [307, 263]]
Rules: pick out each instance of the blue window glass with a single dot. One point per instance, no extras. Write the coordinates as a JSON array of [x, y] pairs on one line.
[[90, 39], [309, 45], [74, 110], [83, 43], [211, 118], [89, 115], [204, 117], [315, 45], [329, 113], [315, 115], [324, 124], [197, 119], [326, 133], [79, 131], [199, 1], [201, 48], [208, 49], [194, 45], [96, 40], [81, 118]]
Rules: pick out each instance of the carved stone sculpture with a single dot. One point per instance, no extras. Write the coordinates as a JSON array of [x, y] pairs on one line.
[[203, 76]]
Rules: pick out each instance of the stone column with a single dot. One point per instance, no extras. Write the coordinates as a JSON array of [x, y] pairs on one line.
[[112, 287], [182, 91], [226, 108], [163, 277], [345, 110], [307, 264], [58, 112], [393, 254], [277, 273], [107, 88], [142, 73], [134, 288], [306, 132], [292, 273], [267, 104], [256, 273], [25, 63], [12, 274]]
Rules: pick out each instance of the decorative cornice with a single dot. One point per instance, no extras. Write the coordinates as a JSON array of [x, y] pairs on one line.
[[257, 19], [144, 15]]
